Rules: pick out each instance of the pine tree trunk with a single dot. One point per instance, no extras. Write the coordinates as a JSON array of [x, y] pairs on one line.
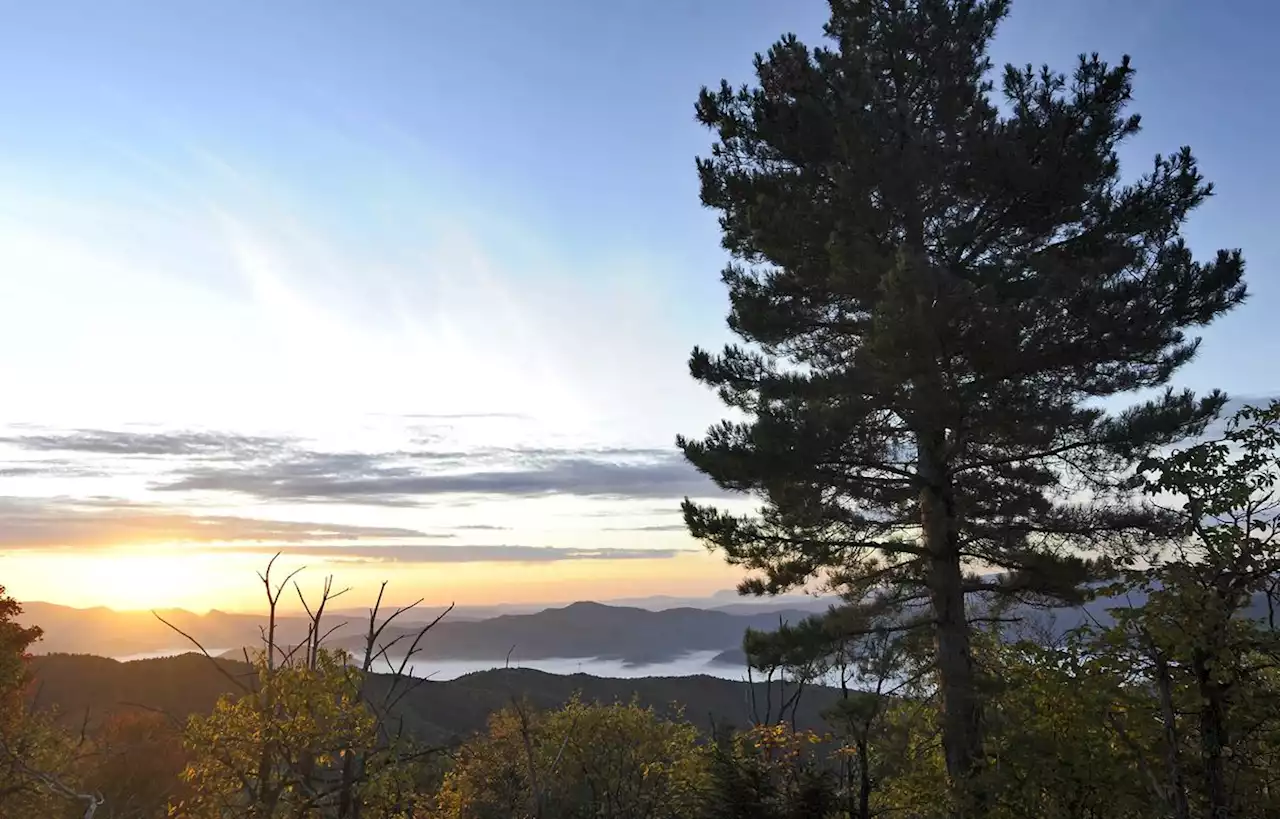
[[961, 708], [961, 714], [864, 779]]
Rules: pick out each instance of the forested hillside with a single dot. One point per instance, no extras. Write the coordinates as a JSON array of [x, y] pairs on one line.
[[83, 688]]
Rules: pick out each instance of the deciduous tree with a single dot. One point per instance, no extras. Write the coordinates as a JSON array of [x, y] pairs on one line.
[[1203, 637], [584, 761], [36, 758], [302, 739]]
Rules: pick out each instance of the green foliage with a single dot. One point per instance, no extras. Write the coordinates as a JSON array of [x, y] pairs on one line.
[[771, 772], [290, 748], [616, 761], [1198, 639], [36, 758], [873, 667], [1053, 748], [15, 643]]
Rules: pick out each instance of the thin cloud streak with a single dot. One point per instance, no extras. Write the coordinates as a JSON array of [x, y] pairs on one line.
[[464, 416], [156, 444], [410, 553], [63, 523], [315, 480], [50, 469], [656, 527]]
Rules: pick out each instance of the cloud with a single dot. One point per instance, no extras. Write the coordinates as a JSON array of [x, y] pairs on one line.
[[1234, 404], [272, 468], [410, 553], [631, 512], [583, 477], [398, 478], [27, 523], [49, 468], [656, 527], [283, 469], [460, 416], [154, 444], [22, 471]]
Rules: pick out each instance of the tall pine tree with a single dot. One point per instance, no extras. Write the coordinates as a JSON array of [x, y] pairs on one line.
[[934, 292]]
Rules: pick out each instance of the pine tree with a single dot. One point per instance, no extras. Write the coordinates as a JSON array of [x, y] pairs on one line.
[[934, 293]]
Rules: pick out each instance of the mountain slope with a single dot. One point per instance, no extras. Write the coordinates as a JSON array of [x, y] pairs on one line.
[[89, 688]]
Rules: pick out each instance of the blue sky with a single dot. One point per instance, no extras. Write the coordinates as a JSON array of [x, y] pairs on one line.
[[306, 223]]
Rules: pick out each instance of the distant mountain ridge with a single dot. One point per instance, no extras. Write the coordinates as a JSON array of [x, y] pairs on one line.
[[111, 633], [589, 630], [727, 600], [635, 636]]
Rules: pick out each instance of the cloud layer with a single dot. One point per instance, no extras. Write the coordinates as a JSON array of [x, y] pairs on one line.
[[282, 469], [81, 523], [185, 481], [370, 479]]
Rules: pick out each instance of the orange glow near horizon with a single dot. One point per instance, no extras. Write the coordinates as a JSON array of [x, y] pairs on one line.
[[200, 581]]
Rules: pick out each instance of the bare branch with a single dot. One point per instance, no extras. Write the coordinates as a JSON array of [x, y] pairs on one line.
[[220, 666]]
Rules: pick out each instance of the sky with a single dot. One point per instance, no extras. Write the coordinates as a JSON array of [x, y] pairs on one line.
[[405, 289]]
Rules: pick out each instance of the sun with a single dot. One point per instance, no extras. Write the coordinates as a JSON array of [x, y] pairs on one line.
[[169, 576]]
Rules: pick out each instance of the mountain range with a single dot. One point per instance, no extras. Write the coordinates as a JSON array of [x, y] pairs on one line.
[[632, 635]]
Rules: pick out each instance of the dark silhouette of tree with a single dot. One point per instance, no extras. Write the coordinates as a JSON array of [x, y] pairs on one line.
[[34, 756], [935, 286]]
